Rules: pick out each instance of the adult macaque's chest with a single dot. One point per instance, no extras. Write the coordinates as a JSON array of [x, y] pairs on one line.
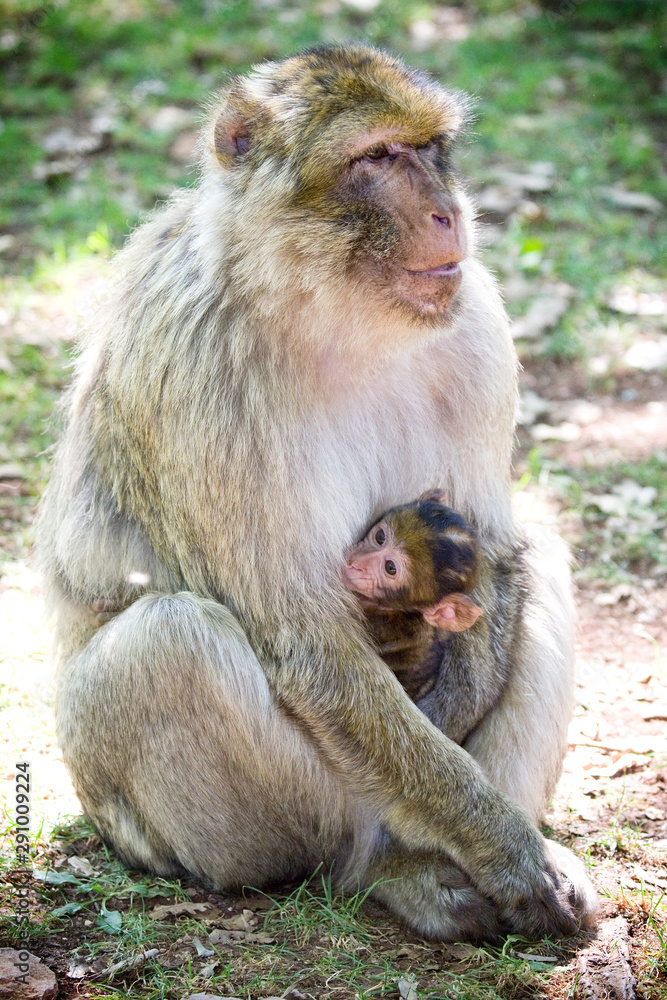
[[379, 444]]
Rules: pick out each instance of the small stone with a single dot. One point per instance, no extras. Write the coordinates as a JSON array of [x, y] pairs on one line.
[[170, 119], [637, 201], [531, 210], [12, 471], [560, 432], [201, 949], [362, 5], [148, 88], [57, 168], [498, 201], [628, 300], [543, 314], [184, 148], [533, 182], [64, 142], [582, 412], [531, 406], [37, 981], [648, 355]]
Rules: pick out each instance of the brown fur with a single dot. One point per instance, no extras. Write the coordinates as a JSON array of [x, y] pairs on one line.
[[438, 564], [256, 388]]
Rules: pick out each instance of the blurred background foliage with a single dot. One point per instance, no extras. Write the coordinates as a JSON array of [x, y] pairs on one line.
[[99, 105], [581, 83]]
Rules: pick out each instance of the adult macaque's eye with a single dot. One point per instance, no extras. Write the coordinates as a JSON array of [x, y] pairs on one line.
[[380, 536], [390, 567], [379, 153]]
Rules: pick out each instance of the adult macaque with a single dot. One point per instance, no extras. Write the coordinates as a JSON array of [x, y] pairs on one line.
[[300, 342], [411, 572]]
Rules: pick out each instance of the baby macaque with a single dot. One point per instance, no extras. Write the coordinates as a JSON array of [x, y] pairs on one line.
[[411, 573]]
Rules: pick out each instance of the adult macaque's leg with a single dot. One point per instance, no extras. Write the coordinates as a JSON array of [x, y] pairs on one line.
[[433, 896], [181, 757]]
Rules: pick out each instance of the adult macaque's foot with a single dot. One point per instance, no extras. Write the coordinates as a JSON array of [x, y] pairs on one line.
[[436, 899]]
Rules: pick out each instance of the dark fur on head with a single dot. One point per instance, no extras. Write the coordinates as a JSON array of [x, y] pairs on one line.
[[443, 552]]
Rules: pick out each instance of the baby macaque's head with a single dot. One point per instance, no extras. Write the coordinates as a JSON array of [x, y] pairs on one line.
[[422, 556]]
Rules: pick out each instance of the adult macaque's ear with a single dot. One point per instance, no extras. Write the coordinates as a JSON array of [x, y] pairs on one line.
[[454, 613], [439, 496], [231, 136]]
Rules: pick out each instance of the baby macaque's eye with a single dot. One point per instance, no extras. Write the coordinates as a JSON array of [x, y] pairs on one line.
[[390, 567], [380, 536]]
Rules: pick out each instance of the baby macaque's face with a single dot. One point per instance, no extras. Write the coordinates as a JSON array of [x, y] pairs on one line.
[[393, 568], [378, 567]]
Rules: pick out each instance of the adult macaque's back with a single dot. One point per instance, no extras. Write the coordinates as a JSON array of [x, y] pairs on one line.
[[302, 341]]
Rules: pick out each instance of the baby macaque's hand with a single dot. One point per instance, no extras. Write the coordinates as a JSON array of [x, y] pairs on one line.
[[454, 613]]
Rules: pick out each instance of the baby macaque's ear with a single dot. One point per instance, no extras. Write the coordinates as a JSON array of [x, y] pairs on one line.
[[454, 613], [439, 496]]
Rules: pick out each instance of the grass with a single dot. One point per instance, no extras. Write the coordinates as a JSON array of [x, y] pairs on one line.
[[578, 101], [317, 943], [101, 920], [615, 516]]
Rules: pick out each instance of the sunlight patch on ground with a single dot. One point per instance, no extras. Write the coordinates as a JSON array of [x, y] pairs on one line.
[[26, 692]]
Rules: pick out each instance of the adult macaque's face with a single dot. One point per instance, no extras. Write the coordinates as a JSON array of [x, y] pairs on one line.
[[415, 236]]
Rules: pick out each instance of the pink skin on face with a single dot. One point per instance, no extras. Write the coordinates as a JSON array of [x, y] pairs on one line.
[[367, 574], [375, 565]]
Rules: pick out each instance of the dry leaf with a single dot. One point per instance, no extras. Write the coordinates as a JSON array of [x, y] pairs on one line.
[[176, 909], [131, 963], [218, 937], [201, 950], [463, 952], [408, 988], [649, 877], [78, 970], [412, 951], [224, 937], [81, 865], [245, 921], [261, 937], [207, 971]]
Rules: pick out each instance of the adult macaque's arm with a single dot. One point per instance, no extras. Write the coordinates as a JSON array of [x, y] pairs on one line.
[[430, 793]]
